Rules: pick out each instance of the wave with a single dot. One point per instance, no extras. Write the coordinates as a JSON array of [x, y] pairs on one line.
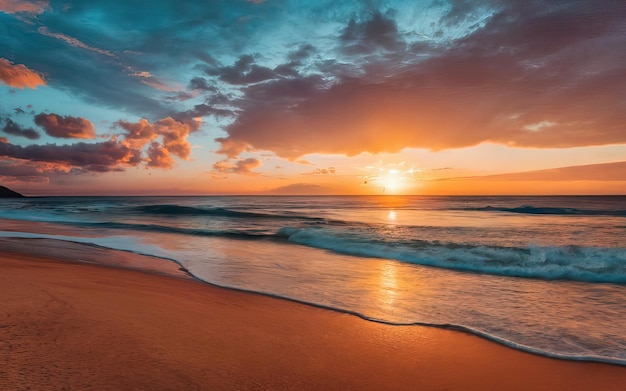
[[587, 264], [178, 210], [535, 210], [575, 263]]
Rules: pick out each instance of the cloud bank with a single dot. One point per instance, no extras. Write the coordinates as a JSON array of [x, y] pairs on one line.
[[529, 76]]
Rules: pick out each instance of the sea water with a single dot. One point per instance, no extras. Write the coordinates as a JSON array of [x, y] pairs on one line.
[[541, 274]]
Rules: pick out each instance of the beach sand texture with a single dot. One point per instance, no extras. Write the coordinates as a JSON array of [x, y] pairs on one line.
[[82, 326]]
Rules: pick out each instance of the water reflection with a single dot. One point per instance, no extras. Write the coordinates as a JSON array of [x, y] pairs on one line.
[[388, 285]]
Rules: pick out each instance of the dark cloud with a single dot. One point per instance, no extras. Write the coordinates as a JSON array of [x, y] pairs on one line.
[[15, 129], [244, 71], [302, 53], [25, 171], [204, 109], [97, 157], [532, 75], [199, 83], [19, 76], [376, 32], [65, 127], [296, 59]]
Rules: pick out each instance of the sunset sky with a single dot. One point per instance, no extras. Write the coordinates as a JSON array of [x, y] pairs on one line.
[[313, 97]]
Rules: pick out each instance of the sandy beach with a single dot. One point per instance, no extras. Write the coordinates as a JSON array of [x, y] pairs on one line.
[[67, 325]]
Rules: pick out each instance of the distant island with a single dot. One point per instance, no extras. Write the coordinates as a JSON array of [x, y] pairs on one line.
[[8, 193]]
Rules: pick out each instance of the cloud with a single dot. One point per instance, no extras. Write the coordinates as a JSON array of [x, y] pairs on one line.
[[244, 71], [514, 70], [73, 41], [19, 76], [139, 133], [199, 83], [15, 170], [15, 129], [173, 135], [592, 172], [164, 139], [322, 171], [65, 127], [377, 32], [232, 148], [242, 167], [159, 157], [16, 6], [96, 157]]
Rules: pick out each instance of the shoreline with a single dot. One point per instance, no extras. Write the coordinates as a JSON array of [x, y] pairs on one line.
[[85, 325], [165, 266]]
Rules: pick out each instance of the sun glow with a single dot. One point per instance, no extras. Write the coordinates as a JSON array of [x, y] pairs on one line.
[[391, 178], [393, 182]]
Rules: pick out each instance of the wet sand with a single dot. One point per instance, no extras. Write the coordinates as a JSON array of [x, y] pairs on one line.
[[68, 325]]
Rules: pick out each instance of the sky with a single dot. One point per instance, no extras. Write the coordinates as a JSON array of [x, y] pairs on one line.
[[456, 97]]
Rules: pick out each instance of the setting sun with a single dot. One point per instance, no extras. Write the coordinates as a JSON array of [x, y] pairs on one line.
[[393, 182]]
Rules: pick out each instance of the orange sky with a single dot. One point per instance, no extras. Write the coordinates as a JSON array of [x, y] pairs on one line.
[[248, 97]]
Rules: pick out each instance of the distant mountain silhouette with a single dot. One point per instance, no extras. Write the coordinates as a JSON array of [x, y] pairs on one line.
[[8, 193]]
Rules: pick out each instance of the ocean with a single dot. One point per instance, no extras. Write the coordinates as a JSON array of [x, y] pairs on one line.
[[540, 274]]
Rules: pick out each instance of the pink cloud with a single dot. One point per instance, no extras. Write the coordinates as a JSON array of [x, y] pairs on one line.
[[16, 6], [73, 41], [242, 167], [19, 76], [165, 138], [139, 133], [172, 134], [65, 127], [159, 157]]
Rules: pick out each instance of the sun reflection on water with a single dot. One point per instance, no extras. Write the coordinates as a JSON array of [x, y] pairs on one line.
[[388, 284]]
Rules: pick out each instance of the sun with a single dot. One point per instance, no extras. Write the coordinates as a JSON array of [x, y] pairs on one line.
[[393, 182]]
